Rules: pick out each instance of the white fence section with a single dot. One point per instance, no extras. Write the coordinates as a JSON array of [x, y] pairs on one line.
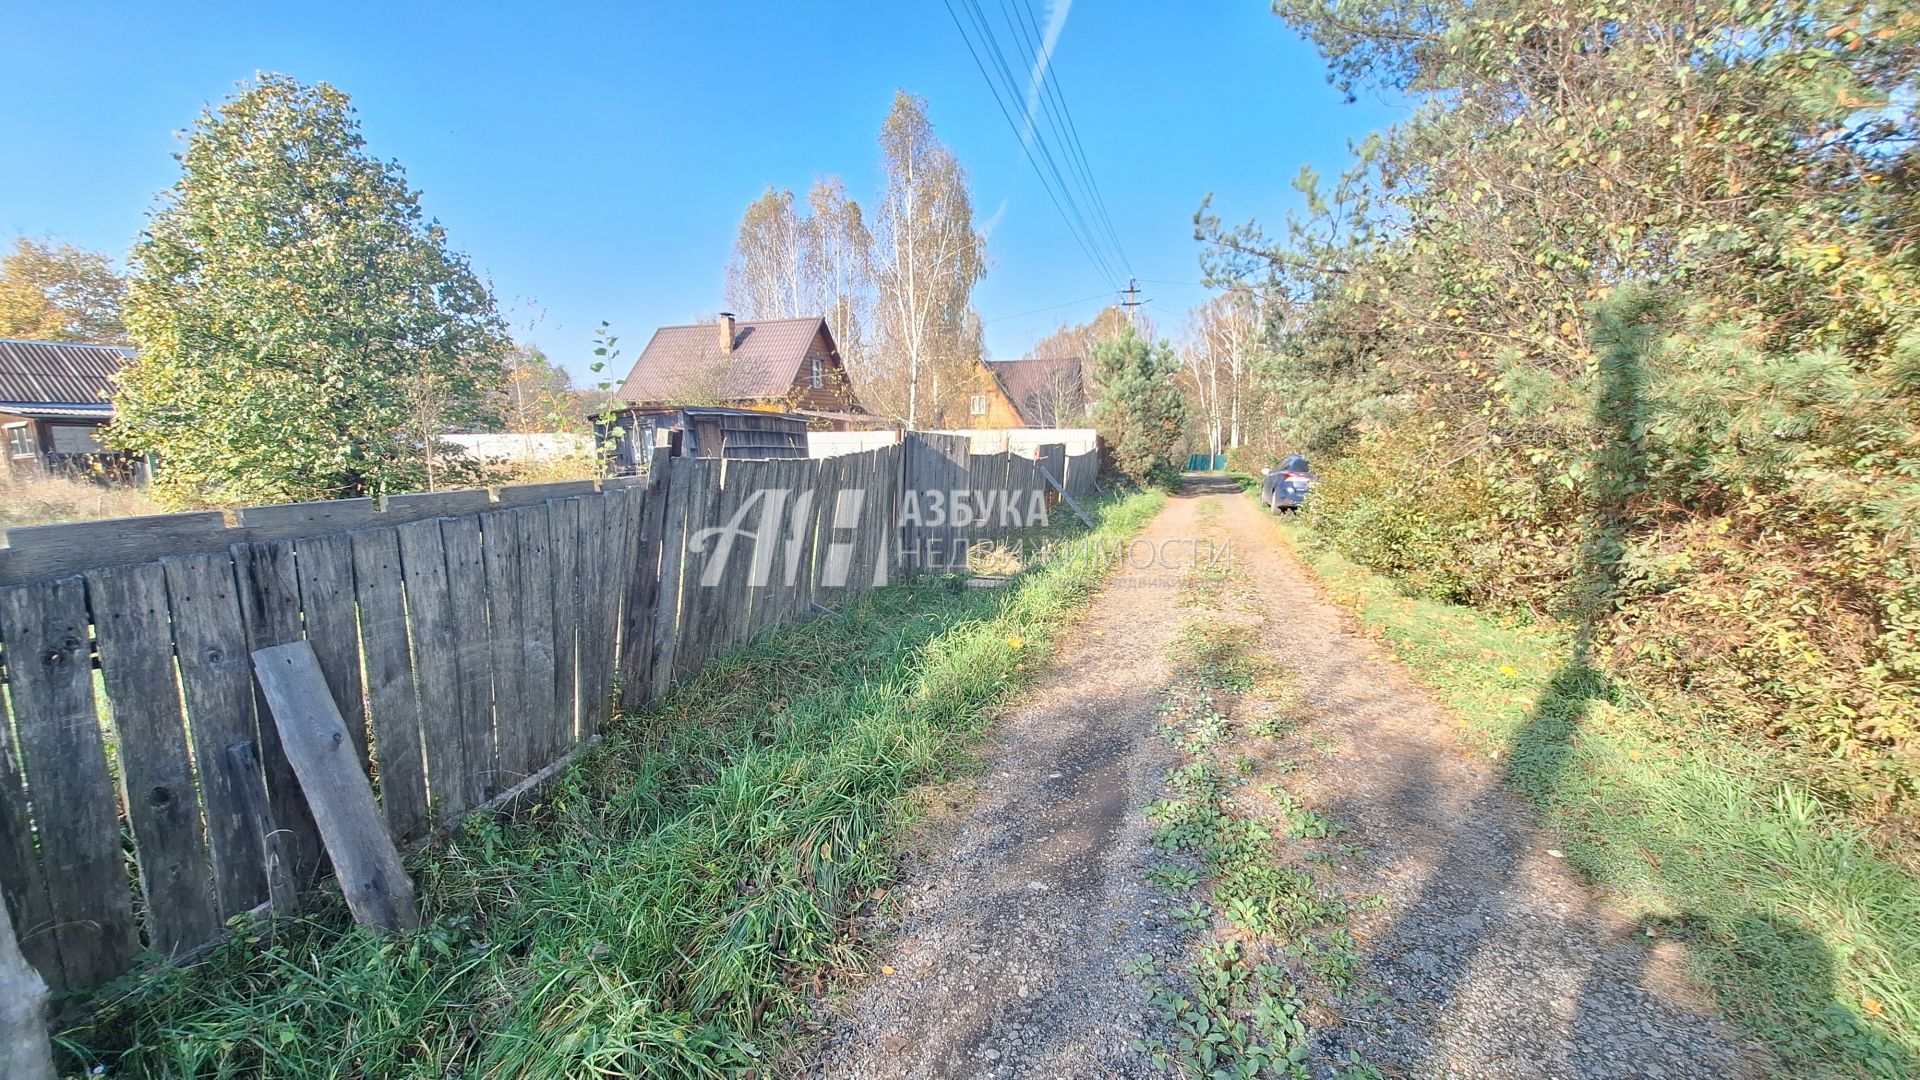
[[522, 447]]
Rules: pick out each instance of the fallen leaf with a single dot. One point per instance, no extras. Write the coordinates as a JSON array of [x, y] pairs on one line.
[[886, 969], [1556, 853], [1872, 1005]]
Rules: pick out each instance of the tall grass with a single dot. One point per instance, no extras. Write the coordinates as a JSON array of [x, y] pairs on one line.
[[670, 905], [1808, 937], [33, 499]]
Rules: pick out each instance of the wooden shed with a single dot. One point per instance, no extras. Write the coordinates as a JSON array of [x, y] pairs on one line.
[[707, 431]]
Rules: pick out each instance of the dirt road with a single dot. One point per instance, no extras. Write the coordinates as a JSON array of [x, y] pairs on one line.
[[1479, 953]]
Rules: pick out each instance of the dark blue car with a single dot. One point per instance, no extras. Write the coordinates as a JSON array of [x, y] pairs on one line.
[[1285, 487]]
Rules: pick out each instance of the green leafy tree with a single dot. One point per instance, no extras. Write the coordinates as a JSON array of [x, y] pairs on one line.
[[1138, 407], [304, 331], [57, 292]]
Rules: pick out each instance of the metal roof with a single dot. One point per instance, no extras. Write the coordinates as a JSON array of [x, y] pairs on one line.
[[58, 373], [57, 412], [688, 361], [1044, 390]]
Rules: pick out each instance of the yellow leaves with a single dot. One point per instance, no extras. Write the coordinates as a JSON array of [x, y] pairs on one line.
[[1015, 642], [1873, 1005], [886, 969]]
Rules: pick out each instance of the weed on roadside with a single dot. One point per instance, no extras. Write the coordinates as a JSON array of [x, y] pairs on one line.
[[1273, 935]]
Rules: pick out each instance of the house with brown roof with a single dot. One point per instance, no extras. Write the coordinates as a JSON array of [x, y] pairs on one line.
[[766, 365], [1046, 392], [53, 403]]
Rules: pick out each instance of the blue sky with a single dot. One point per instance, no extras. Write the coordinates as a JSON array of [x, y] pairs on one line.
[[593, 159]]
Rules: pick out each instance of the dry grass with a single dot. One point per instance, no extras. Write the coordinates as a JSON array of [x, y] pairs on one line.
[[46, 500]]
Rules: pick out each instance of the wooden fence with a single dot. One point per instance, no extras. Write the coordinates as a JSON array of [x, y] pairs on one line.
[[471, 639]]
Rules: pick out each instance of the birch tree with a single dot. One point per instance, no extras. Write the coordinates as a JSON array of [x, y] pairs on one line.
[[836, 257], [764, 279], [928, 259]]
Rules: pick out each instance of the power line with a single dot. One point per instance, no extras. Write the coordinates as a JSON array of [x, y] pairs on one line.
[[1050, 307], [1012, 84], [1051, 82], [1079, 233]]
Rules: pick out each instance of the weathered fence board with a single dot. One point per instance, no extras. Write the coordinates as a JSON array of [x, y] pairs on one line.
[[596, 663], [288, 521], [50, 675], [26, 886], [156, 774], [325, 568], [400, 509], [536, 637], [473, 655], [372, 880], [216, 679], [436, 656], [269, 592], [500, 545], [391, 704], [563, 541]]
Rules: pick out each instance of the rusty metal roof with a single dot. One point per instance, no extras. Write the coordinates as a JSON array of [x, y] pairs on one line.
[[684, 363], [58, 373]]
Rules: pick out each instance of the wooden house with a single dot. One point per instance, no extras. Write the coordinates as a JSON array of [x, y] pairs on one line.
[[759, 365], [53, 403]]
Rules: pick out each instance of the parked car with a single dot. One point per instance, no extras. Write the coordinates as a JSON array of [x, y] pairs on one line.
[[1285, 486]]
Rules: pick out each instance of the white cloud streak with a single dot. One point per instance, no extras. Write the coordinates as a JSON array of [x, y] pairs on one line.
[[1056, 22]]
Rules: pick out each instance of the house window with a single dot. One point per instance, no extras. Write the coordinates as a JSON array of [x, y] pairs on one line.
[[75, 439], [819, 377], [979, 405], [20, 441]]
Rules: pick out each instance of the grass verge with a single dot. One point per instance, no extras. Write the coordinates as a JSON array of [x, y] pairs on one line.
[[1807, 937], [670, 906]]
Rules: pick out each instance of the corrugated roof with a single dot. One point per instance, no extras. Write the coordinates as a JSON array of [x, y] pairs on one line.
[[58, 373], [1045, 390], [687, 362]]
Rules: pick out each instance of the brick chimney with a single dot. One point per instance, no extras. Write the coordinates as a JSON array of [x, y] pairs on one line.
[[726, 333]]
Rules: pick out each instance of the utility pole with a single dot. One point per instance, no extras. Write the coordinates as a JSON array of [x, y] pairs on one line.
[[1133, 302]]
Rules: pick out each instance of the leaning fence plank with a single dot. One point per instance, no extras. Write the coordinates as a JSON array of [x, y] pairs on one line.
[[23, 885], [327, 599], [500, 544], [366, 864], [269, 591], [217, 683], [390, 695], [156, 773], [436, 647], [536, 636], [50, 672], [467, 592]]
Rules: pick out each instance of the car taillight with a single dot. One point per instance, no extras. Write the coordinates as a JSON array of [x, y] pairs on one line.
[[1295, 476]]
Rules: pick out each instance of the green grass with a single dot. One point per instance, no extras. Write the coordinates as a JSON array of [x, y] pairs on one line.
[[1808, 938], [668, 908]]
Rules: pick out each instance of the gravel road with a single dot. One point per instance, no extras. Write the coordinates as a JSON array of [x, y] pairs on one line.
[[1019, 910]]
